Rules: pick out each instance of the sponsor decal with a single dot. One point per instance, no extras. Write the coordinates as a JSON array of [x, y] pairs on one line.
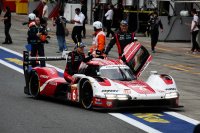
[[53, 83], [97, 101], [168, 89], [44, 76], [109, 91], [109, 103], [127, 91], [151, 117]]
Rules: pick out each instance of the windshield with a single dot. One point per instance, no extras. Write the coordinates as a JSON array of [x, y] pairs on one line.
[[117, 73]]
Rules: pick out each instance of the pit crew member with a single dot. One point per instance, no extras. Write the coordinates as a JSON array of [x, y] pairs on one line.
[[121, 38], [99, 40]]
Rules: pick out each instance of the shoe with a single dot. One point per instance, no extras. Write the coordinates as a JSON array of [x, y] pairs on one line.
[[58, 52], [194, 52], [9, 43], [4, 42], [153, 51]]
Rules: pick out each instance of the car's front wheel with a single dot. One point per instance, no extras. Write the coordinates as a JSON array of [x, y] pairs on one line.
[[34, 85], [86, 95]]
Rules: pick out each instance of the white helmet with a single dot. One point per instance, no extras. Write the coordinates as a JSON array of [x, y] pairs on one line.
[[31, 16], [97, 25]]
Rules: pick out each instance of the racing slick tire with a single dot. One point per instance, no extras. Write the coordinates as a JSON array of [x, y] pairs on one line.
[[34, 85], [86, 95]]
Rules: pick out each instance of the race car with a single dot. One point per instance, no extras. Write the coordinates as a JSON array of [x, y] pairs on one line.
[[105, 83]]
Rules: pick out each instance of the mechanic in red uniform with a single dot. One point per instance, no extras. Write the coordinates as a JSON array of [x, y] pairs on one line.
[[74, 60], [122, 38]]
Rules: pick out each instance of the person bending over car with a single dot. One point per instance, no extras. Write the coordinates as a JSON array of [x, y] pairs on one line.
[[122, 38], [74, 60]]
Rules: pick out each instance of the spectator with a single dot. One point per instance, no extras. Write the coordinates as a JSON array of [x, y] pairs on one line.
[[119, 15], [78, 26], [84, 11], [96, 11], [109, 17], [99, 40], [37, 37], [122, 38], [60, 24], [155, 23], [45, 13], [74, 60], [194, 31], [7, 23]]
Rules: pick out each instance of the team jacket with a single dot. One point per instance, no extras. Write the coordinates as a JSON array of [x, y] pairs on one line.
[[99, 42], [73, 62], [121, 40]]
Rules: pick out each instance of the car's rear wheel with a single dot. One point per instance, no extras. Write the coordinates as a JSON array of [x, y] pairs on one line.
[[34, 85], [86, 95]]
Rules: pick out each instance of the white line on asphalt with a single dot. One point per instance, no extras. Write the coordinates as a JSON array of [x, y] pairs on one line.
[[11, 51], [135, 123], [11, 66], [182, 117]]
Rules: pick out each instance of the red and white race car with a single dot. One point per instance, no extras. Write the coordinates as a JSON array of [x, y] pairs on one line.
[[104, 83]]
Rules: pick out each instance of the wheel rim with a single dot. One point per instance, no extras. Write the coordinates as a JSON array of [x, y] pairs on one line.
[[87, 95], [34, 85]]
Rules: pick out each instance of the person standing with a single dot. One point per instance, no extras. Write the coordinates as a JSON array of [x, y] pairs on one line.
[[37, 37], [96, 11], [84, 11], [45, 13], [121, 38], [194, 31], [7, 23], [60, 24], [99, 40], [155, 23], [78, 26], [109, 17]]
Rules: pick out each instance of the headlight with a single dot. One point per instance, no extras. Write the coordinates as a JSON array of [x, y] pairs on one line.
[[111, 96], [171, 95], [114, 96], [122, 97]]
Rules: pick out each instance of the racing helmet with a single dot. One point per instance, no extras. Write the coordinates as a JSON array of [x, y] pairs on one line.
[[97, 25], [31, 16]]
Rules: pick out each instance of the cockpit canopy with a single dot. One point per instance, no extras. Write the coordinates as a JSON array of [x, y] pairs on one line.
[[113, 72]]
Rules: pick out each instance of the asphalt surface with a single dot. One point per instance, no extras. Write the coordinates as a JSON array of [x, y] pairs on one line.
[[25, 114], [22, 114]]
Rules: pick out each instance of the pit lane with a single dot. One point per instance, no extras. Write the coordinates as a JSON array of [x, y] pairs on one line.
[[149, 121]]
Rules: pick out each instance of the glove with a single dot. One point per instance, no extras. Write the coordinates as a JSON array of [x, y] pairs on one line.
[[98, 52]]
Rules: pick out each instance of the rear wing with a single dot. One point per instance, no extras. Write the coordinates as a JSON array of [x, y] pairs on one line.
[[27, 61]]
